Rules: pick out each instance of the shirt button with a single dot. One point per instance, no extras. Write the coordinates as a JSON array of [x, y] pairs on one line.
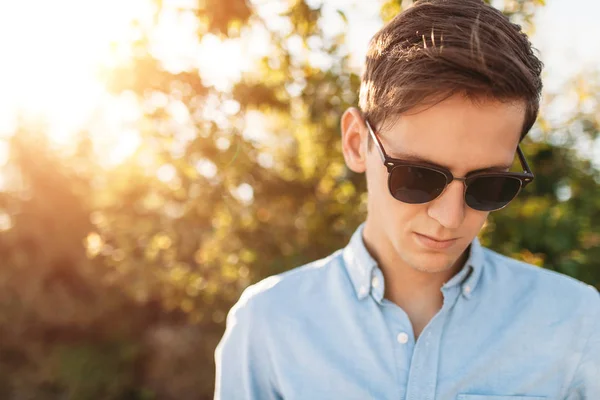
[[467, 289], [375, 282], [402, 338], [362, 291]]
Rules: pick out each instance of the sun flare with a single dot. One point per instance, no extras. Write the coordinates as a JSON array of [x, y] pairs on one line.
[[50, 53]]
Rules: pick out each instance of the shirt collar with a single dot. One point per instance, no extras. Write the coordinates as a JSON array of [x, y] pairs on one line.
[[362, 267], [468, 276], [359, 263]]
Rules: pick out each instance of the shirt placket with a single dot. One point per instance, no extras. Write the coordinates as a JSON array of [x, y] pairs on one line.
[[422, 378], [402, 343], [400, 330]]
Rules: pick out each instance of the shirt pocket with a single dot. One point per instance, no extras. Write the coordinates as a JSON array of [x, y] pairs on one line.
[[496, 397]]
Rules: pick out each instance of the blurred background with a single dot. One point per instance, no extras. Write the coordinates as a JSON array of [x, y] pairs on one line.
[[158, 156]]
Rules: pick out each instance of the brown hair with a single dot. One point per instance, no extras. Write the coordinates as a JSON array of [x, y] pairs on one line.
[[438, 48]]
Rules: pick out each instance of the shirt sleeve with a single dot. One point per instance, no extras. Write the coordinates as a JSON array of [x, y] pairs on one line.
[[586, 382], [242, 359]]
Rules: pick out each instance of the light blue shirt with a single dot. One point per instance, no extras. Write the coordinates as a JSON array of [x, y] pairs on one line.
[[507, 330]]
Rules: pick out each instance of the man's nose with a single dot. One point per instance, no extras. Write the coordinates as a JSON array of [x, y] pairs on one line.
[[449, 208]]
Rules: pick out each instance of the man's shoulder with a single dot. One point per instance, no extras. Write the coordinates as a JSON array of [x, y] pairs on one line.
[[523, 279]]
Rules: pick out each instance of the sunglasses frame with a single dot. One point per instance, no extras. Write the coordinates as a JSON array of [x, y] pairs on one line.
[[390, 163]]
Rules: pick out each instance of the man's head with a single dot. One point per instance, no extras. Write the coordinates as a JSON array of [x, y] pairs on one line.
[[443, 47], [450, 82]]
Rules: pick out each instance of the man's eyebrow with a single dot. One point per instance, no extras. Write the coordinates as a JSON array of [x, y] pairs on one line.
[[500, 168], [417, 158]]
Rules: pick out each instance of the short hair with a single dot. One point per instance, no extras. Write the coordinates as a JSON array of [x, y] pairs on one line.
[[438, 48]]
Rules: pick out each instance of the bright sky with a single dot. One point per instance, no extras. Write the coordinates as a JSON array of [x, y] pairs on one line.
[[50, 51], [567, 37]]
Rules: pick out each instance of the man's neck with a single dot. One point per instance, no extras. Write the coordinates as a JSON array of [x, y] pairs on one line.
[[418, 293]]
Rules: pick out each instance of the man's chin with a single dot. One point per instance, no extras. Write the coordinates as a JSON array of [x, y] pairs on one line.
[[434, 262]]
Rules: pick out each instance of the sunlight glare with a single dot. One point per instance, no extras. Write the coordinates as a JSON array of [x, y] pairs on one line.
[[221, 62], [51, 52], [3, 152]]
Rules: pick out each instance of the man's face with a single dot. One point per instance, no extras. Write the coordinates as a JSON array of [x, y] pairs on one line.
[[459, 134]]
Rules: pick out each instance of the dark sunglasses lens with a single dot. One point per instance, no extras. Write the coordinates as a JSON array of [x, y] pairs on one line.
[[491, 192], [416, 185]]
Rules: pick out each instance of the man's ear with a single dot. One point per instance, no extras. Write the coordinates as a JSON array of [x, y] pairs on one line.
[[354, 140]]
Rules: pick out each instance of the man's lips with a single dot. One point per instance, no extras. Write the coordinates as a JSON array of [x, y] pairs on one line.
[[434, 243], [436, 239]]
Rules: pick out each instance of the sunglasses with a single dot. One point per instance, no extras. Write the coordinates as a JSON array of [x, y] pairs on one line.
[[420, 182]]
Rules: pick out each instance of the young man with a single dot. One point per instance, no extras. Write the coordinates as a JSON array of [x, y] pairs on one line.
[[414, 308]]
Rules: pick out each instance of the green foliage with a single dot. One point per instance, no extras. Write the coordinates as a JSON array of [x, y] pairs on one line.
[[92, 371], [119, 279]]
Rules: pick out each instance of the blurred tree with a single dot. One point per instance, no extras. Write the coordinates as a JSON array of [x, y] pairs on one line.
[[131, 269]]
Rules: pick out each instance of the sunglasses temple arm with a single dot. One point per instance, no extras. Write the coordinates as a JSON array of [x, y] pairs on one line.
[[523, 161], [377, 142]]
